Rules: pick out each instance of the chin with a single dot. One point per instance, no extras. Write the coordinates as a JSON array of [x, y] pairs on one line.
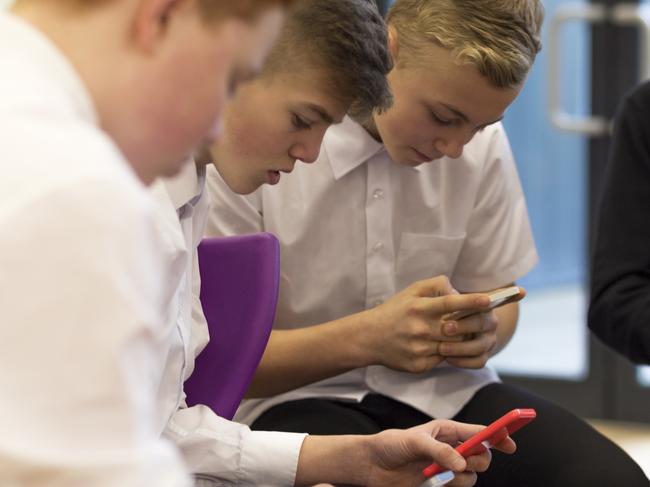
[[405, 160], [243, 187]]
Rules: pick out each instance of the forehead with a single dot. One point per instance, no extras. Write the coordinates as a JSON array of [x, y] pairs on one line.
[[305, 86], [438, 78]]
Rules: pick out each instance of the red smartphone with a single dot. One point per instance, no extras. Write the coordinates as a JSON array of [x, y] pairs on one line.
[[490, 436]]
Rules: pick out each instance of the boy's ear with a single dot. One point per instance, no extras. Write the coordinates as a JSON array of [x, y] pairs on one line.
[[393, 42], [150, 22]]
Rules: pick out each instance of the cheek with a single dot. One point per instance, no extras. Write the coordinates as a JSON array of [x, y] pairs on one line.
[[210, 79], [256, 138], [209, 106], [399, 127]]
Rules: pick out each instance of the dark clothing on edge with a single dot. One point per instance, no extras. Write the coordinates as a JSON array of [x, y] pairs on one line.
[[619, 313]]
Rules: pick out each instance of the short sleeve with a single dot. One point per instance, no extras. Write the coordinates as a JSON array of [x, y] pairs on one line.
[[499, 247]]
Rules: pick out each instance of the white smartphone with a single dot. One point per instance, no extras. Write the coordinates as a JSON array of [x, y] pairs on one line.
[[498, 297]]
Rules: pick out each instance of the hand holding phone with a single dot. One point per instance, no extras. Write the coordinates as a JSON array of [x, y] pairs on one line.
[[491, 436], [498, 297]]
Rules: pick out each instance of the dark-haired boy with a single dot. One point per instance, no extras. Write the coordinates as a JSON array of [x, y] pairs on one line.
[[425, 188], [342, 59]]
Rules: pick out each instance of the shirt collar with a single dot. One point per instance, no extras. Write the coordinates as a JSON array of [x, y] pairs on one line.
[[187, 187], [22, 41], [348, 145]]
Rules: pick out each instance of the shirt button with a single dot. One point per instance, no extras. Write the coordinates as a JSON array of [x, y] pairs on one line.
[[378, 194], [377, 247]]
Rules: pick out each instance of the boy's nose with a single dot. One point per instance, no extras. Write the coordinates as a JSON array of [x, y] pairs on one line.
[[306, 151], [451, 148]]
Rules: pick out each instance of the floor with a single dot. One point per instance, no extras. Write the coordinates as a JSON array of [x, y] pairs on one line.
[[633, 438]]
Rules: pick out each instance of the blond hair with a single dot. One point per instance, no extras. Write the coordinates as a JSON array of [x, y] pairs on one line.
[[500, 37]]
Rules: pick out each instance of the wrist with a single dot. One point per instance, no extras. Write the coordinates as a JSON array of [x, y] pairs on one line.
[[335, 459], [356, 459], [364, 338]]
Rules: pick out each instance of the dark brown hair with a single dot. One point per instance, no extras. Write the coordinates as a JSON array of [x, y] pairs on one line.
[[348, 41]]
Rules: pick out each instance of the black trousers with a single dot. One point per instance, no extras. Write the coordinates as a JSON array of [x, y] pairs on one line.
[[557, 449]]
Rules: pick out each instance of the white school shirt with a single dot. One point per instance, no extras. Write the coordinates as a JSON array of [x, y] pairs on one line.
[[217, 451], [80, 274], [355, 228]]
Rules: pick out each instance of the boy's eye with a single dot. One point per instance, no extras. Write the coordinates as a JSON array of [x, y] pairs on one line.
[[440, 120], [299, 122]]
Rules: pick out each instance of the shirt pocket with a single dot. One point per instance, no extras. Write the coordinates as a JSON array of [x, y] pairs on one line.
[[424, 255]]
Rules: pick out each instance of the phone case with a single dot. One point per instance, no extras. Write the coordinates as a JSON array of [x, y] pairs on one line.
[[492, 435]]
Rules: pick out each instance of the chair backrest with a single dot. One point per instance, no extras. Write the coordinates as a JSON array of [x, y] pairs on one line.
[[239, 294]]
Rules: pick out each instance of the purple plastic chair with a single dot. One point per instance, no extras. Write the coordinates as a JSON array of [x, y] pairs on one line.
[[239, 293]]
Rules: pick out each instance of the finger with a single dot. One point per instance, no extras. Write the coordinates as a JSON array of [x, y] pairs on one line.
[[434, 287], [424, 364], [469, 362], [434, 350], [479, 463], [443, 305], [453, 432], [426, 446], [473, 348], [506, 446], [478, 323], [453, 339], [465, 479]]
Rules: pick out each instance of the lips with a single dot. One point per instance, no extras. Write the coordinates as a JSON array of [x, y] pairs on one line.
[[273, 176], [422, 157], [425, 158]]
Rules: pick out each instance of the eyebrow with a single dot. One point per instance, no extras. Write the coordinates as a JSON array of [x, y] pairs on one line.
[[456, 111], [322, 113], [461, 115]]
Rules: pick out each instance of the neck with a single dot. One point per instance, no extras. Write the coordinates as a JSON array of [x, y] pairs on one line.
[[371, 127], [80, 35], [203, 157]]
